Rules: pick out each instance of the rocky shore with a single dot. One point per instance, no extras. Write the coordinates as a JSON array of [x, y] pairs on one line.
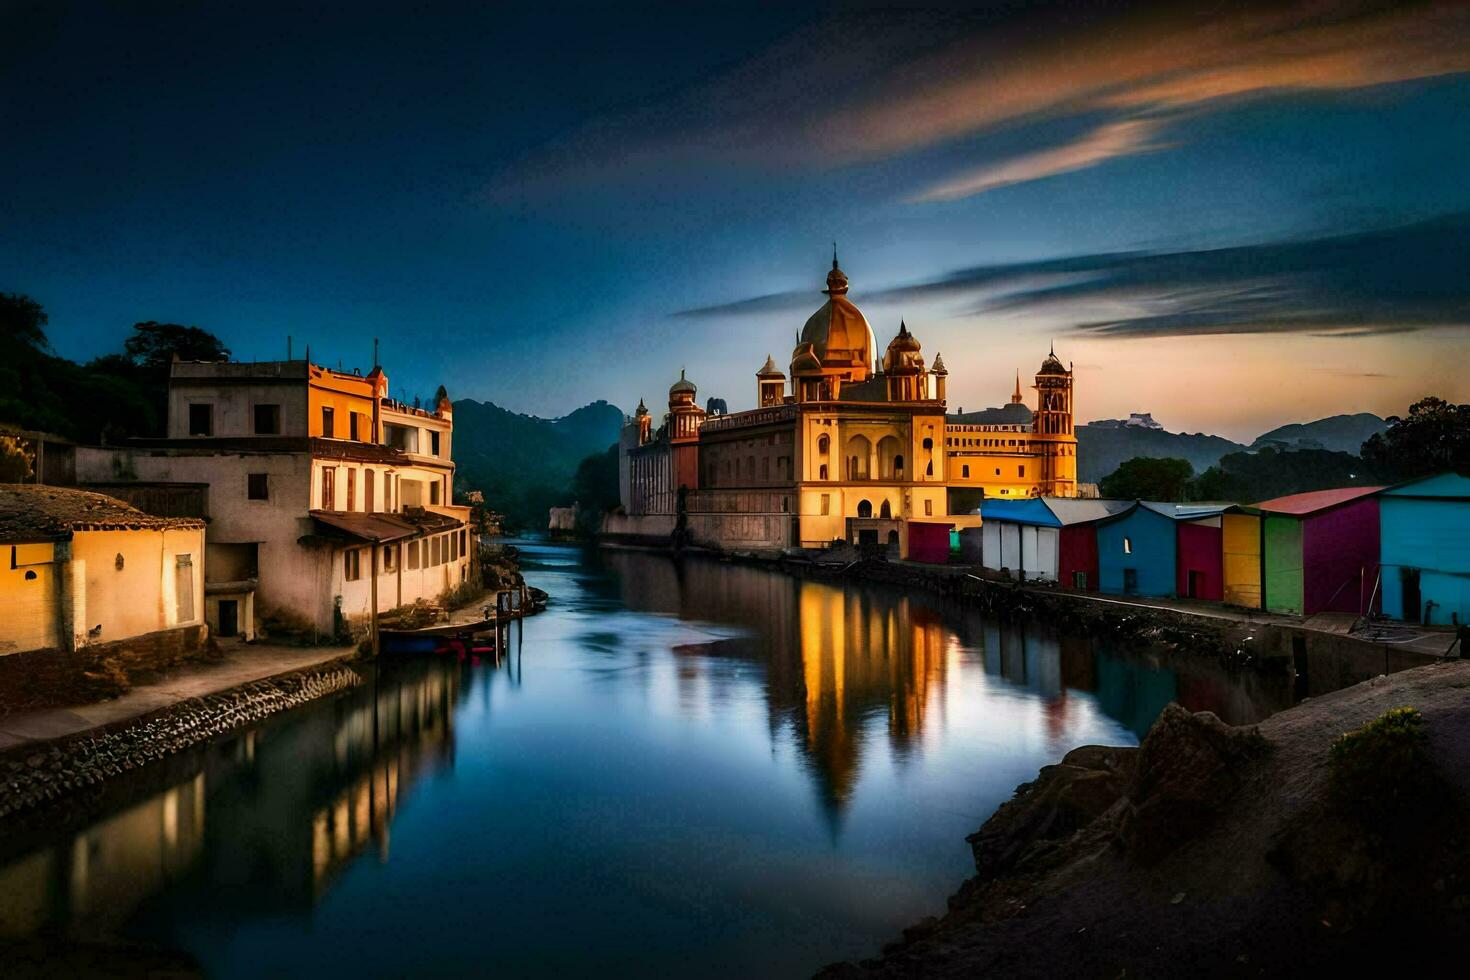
[[76, 770], [1210, 850]]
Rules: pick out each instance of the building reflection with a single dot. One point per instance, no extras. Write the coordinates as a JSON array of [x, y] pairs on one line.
[[844, 665], [289, 805]]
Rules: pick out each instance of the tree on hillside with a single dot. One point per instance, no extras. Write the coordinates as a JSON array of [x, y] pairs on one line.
[[1251, 477], [1148, 478], [153, 346], [1432, 438], [22, 323]]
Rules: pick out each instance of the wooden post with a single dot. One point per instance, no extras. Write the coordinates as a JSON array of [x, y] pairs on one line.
[[373, 618]]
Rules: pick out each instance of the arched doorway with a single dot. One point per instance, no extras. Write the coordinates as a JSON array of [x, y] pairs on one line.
[[859, 453], [865, 509], [890, 459], [885, 512]]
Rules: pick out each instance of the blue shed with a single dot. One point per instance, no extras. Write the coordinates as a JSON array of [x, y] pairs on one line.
[[1138, 550], [1136, 553], [1424, 550]]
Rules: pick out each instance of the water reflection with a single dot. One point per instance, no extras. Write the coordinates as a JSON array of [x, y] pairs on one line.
[[838, 658], [289, 805]]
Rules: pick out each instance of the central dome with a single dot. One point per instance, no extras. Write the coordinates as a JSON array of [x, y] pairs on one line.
[[838, 333]]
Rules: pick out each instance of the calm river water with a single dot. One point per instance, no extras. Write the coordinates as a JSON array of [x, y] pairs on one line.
[[694, 768]]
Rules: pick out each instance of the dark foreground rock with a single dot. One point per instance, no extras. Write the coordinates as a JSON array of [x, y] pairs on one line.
[[1211, 850]]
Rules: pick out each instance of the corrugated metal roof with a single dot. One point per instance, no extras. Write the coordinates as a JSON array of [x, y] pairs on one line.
[[377, 528], [1315, 500], [1031, 510], [1078, 510], [1185, 512]]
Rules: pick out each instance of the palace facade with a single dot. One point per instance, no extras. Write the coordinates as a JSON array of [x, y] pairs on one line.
[[854, 446]]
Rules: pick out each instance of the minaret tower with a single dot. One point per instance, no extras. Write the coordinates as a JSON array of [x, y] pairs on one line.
[[770, 384], [1052, 428]]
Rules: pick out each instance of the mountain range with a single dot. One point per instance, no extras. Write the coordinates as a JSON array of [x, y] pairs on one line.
[[1103, 446], [524, 464]]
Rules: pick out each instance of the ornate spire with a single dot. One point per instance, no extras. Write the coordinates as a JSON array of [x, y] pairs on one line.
[[836, 279], [1016, 396], [938, 366]]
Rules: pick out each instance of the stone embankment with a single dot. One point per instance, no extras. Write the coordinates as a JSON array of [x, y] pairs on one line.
[[72, 769], [1210, 850]]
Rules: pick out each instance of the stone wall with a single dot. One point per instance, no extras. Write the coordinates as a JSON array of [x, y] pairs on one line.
[[49, 677]]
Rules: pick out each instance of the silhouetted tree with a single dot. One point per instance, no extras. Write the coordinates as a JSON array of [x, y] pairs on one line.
[[153, 345], [22, 323], [1432, 438], [1149, 478]]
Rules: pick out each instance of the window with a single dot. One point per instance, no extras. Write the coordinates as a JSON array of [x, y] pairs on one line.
[[184, 588], [434, 492], [257, 486], [463, 540], [369, 498], [413, 554], [352, 488], [928, 508], [965, 472], [826, 503], [433, 443], [329, 426], [329, 488], [390, 557], [388, 492], [1079, 580], [997, 471], [898, 466], [433, 552], [822, 443], [201, 420], [352, 564], [1127, 546], [822, 472], [454, 547], [352, 426], [267, 420], [928, 445], [1022, 471]]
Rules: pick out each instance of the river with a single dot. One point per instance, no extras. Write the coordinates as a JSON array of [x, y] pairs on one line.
[[693, 768]]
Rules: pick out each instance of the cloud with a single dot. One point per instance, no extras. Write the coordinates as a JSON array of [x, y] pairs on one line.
[[1368, 283], [1117, 139], [874, 86]]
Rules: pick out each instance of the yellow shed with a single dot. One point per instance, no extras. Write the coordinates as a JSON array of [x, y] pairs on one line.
[[1242, 554]]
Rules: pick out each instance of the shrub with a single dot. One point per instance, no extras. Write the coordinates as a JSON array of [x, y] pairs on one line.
[[1383, 771]]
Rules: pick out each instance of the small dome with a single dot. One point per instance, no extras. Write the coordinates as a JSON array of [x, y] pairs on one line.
[[683, 384], [642, 409], [838, 332], [938, 367], [903, 355], [805, 359], [1053, 365], [769, 369]]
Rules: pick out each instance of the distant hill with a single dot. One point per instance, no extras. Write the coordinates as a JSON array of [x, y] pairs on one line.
[[1102, 447], [524, 464], [1339, 434]]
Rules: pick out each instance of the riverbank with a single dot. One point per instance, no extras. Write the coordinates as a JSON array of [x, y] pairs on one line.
[[1212, 850], [1243, 637]]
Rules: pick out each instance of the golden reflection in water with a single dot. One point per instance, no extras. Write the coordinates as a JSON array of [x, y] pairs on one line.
[[358, 760], [836, 659]]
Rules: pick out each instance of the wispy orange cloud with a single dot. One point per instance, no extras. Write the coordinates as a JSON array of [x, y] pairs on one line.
[[843, 94], [1107, 142]]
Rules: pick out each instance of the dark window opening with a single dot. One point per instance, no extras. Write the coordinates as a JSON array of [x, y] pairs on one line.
[[352, 426], [201, 420], [257, 486], [267, 420], [329, 423], [433, 443]]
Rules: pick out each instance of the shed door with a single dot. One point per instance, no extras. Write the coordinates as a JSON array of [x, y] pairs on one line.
[[1046, 554], [1028, 552], [184, 588]]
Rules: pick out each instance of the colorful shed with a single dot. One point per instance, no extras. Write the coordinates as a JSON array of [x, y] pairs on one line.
[[1240, 546], [1140, 550], [1319, 551], [1425, 550], [1046, 539], [1077, 566], [1019, 536]]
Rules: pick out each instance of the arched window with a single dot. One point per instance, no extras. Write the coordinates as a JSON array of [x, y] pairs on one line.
[[865, 509], [898, 466], [822, 472], [929, 470], [823, 444], [928, 445], [859, 451], [885, 512]]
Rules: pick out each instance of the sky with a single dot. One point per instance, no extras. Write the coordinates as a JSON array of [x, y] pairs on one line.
[[1231, 216]]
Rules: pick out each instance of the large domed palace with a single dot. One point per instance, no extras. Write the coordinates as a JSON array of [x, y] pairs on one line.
[[858, 447]]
